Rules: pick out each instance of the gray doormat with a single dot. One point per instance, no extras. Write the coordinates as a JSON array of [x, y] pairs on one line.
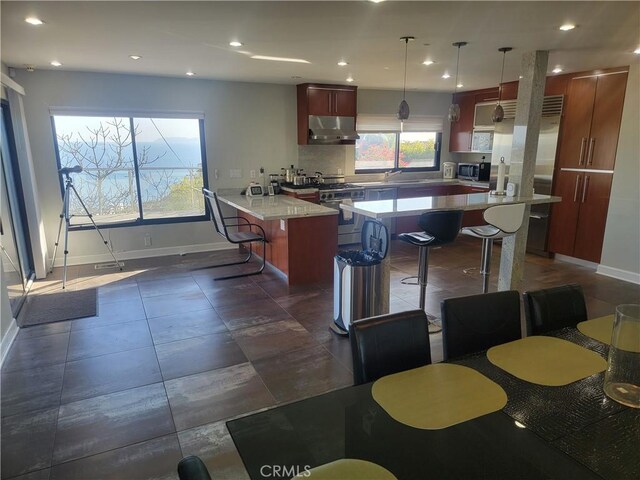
[[57, 307]]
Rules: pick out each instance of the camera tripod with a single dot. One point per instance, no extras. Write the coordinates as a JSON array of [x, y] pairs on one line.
[[65, 218]]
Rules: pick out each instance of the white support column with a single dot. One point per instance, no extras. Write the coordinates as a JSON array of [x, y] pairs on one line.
[[524, 149]]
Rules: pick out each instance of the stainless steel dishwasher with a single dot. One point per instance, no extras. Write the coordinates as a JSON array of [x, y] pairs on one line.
[[384, 193]]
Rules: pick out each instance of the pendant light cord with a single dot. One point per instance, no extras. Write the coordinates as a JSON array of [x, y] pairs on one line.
[[504, 54], [455, 87], [404, 88]]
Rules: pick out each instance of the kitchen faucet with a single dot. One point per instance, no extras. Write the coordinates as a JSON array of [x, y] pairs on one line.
[[391, 173]]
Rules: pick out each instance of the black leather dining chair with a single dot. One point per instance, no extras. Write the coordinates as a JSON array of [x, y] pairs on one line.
[[389, 344], [192, 468], [478, 322], [554, 308], [235, 237]]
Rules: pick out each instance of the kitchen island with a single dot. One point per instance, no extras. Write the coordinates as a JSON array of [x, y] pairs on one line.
[[302, 236], [406, 207]]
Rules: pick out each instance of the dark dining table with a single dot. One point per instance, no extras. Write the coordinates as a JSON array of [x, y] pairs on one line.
[[568, 432]]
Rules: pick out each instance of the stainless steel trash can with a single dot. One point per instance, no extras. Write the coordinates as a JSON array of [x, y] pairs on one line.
[[357, 278]]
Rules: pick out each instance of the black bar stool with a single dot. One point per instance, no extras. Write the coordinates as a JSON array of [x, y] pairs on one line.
[[439, 228]]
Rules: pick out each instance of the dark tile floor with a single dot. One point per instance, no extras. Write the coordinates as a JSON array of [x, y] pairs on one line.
[[173, 354]]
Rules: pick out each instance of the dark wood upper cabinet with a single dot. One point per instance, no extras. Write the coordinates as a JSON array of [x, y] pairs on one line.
[[591, 124], [576, 124], [606, 119], [460, 138], [324, 100], [509, 91]]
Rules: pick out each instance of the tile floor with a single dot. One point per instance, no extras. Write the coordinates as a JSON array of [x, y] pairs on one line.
[[173, 354]]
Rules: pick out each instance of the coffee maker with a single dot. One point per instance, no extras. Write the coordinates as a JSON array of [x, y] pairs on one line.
[[274, 182]]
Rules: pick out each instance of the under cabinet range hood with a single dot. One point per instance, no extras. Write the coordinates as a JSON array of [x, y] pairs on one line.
[[330, 130]]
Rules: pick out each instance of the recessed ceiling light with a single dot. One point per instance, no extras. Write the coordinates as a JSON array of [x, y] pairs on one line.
[[428, 62], [33, 21], [376, 1], [349, 79], [342, 63], [56, 63], [459, 85], [567, 26], [446, 75], [279, 59], [235, 43], [386, 68], [637, 51], [556, 70], [135, 57], [190, 73], [519, 76]]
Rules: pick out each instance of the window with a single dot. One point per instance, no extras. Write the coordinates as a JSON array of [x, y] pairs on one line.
[[135, 170], [383, 146]]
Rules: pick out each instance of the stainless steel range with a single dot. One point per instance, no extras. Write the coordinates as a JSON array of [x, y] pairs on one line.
[[349, 225]]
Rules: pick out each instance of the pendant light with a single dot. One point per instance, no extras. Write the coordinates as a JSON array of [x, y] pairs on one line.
[[403, 109], [454, 108], [498, 113]]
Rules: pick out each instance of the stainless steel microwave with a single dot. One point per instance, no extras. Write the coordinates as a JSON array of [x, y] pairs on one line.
[[478, 172]]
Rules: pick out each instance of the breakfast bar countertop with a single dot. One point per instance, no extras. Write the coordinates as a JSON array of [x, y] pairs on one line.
[[276, 207], [405, 207]]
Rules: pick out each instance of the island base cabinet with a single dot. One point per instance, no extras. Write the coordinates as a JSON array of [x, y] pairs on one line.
[[578, 222], [301, 248], [469, 219]]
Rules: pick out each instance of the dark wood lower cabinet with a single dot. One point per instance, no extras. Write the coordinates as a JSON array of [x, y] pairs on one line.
[[301, 248], [578, 222]]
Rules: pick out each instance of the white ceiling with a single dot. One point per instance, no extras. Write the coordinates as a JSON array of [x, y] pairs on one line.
[[174, 37]]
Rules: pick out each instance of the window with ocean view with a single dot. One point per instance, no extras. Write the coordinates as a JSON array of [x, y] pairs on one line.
[[135, 170]]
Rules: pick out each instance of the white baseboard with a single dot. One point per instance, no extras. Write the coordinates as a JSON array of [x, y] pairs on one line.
[[576, 261], [620, 274], [7, 340], [146, 253]]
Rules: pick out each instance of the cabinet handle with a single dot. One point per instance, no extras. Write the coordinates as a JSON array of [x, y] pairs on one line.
[[575, 193], [329, 101], [583, 144], [335, 103], [592, 143], [584, 189]]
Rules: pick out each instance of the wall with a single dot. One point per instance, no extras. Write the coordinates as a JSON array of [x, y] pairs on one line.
[[621, 250], [247, 125]]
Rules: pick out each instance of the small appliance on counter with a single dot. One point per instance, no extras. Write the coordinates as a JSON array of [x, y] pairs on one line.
[[274, 183], [449, 170], [254, 190], [477, 172]]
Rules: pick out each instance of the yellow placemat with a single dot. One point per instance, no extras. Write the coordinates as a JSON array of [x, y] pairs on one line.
[[601, 329], [438, 396], [546, 360], [598, 328], [348, 469]]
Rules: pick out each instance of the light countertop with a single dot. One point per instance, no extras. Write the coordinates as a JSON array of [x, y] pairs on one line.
[[276, 207], [406, 207], [399, 184]]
